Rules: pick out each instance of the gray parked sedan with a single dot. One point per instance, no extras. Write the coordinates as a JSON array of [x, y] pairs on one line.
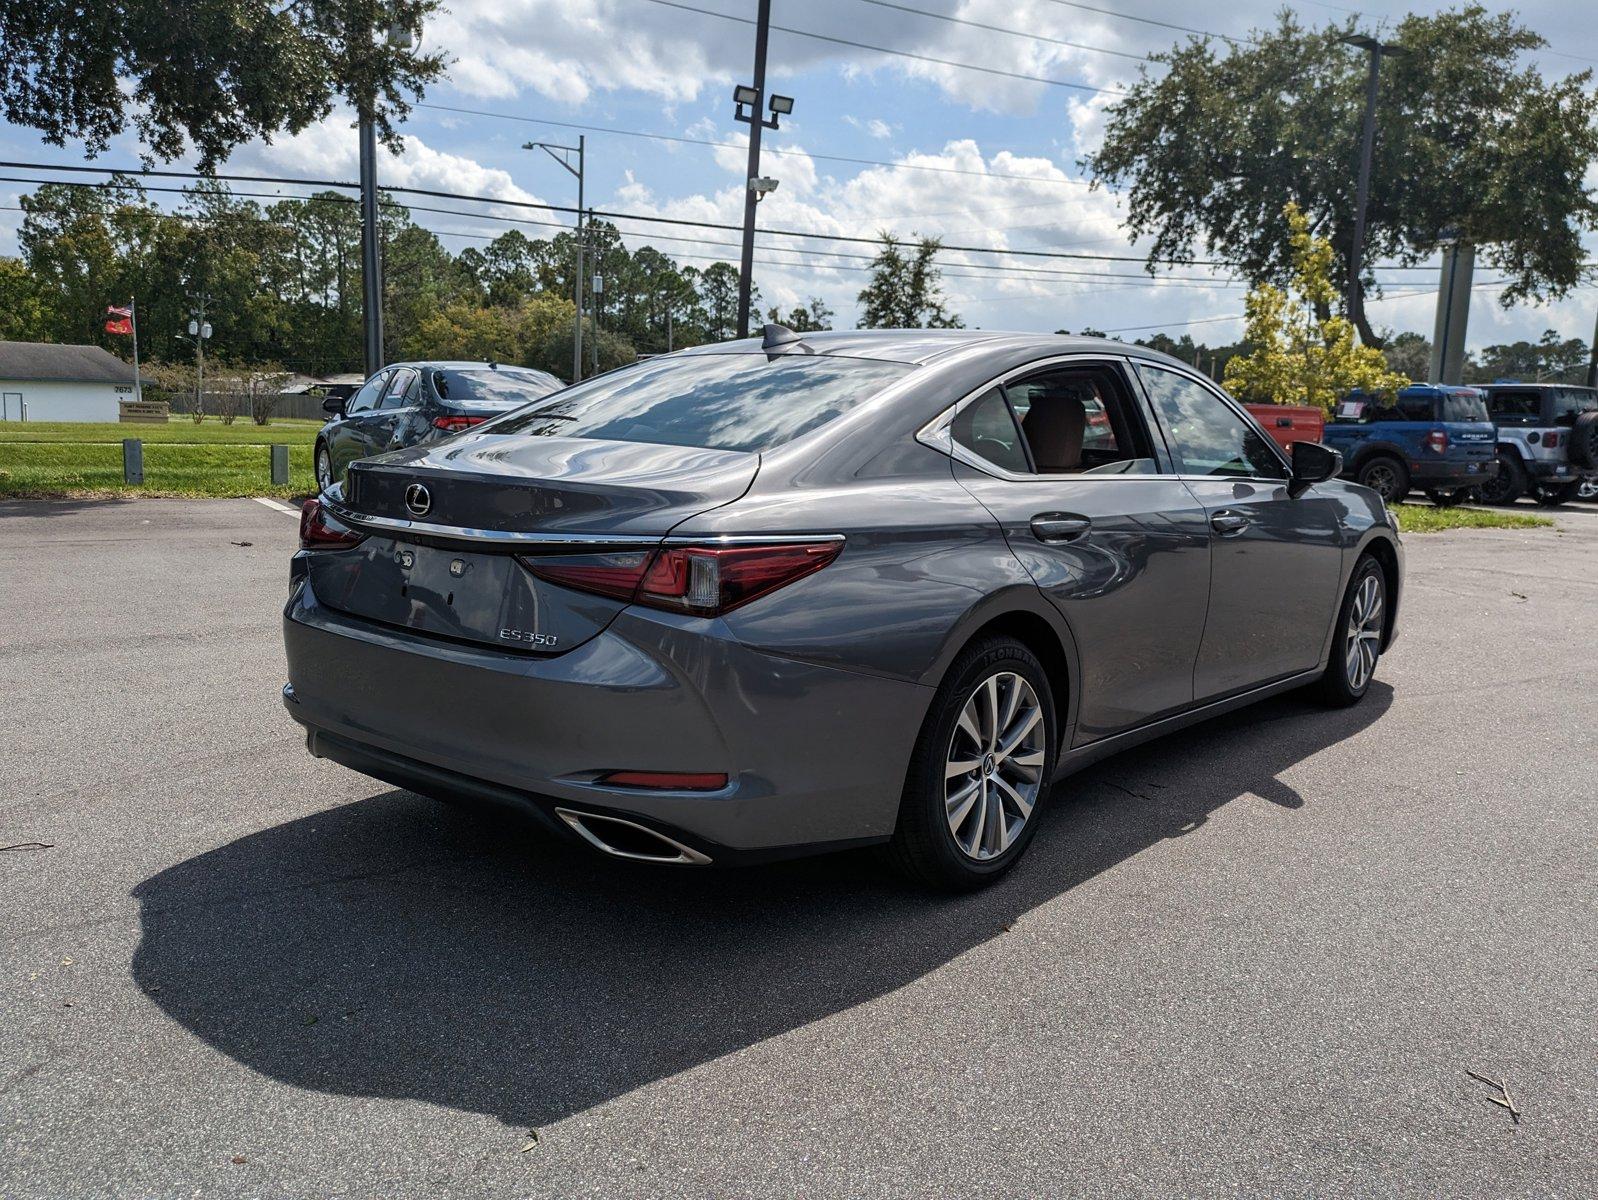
[[804, 592]]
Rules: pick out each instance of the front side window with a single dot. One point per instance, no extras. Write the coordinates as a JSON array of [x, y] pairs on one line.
[[366, 399], [1207, 437], [748, 402]]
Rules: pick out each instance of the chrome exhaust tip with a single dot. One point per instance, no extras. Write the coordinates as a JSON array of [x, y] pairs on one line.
[[621, 838]]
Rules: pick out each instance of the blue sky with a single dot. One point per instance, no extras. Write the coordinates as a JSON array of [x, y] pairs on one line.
[[977, 158]]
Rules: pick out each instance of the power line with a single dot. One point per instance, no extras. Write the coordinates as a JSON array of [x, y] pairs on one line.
[[1035, 37], [693, 141], [942, 62], [1120, 16]]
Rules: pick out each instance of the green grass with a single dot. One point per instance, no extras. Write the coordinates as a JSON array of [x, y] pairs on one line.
[[95, 469], [1423, 518], [242, 432]]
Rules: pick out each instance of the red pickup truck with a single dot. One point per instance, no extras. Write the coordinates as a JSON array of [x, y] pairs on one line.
[[1289, 423]]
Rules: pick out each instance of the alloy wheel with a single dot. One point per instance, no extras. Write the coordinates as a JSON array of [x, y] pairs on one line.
[[1362, 643], [994, 767], [324, 469], [1383, 479]]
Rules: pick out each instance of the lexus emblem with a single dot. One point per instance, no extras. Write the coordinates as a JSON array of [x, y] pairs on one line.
[[418, 500]]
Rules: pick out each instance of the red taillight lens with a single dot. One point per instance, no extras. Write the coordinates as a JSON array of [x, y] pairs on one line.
[[456, 424], [704, 580], [1551, 440], [318, 531], [676, 781], [1437, 440]]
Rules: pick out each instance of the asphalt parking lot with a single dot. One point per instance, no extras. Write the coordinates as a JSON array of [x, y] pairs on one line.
[[1259, 956]]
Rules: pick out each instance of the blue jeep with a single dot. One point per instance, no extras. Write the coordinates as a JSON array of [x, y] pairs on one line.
[[1433, 436]]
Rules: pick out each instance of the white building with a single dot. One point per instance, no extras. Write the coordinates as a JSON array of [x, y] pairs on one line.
[[43, 382]]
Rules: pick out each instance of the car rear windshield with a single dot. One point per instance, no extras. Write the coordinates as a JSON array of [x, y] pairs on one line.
[[1464, 406], [743, 402], [486, 387]]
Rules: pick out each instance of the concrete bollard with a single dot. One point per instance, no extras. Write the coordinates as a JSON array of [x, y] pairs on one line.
[[280, 466], [132, 460]]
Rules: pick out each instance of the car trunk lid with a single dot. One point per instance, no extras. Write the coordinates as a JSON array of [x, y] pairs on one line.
[[444, 560]]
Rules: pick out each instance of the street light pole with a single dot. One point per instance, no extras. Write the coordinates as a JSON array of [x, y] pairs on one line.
[[560, 154], [1367, 145], [748, 104]]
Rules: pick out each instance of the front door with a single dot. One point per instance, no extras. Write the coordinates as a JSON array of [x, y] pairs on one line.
[[1276, 559], [10, 406], [349, 438], [1063, 459]]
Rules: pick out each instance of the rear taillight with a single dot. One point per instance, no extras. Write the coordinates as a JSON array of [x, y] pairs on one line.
[[1437, 440], [703, 580], [456, 424], [1550, 441], [318, 531]]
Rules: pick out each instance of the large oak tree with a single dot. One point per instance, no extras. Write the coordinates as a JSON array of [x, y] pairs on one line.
[[1471, 136], [209, 75]]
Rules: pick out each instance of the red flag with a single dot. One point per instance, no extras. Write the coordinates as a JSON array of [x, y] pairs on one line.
[[118, 325]]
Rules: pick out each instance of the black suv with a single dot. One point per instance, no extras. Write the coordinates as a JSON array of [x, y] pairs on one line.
[[1547, 441]]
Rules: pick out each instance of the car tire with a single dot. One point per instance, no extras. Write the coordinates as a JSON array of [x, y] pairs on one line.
[[1342, 684], [1587, 489], [1386, 476], [324, 468], [1553, 495], [1509, 484], [1451, 499], [937, 842]]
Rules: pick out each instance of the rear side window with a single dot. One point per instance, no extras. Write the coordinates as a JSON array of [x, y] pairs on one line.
[[746, 402], [1570, 402], [1415, 408], [988, 429], [1523, 407]]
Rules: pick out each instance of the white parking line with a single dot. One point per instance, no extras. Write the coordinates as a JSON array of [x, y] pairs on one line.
[[281, 507]]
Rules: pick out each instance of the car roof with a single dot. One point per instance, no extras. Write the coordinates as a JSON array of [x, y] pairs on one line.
[[463, 365], [920, 346], [1510, 383]]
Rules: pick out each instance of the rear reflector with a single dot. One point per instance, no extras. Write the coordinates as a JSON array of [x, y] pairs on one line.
[[675, 781], [318, 531], [703, 580], [455, 424]]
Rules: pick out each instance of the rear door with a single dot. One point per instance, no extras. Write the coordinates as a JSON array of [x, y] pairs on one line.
[[1275, 561], [1061, 455], [390, 428]]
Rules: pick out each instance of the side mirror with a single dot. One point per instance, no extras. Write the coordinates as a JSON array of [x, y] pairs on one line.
[[333, 406], [1313, 463]]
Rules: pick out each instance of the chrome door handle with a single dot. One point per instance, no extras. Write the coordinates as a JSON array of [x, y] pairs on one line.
[[1059, 527], [1226, 522]]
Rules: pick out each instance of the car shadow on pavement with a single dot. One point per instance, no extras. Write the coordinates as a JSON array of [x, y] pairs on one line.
[[395, 947]]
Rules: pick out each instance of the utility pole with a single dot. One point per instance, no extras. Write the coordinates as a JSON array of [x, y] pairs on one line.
[[1592, 361], [1453, 308], [371, 253], [561, 154], [1367, 145], [747, 105]]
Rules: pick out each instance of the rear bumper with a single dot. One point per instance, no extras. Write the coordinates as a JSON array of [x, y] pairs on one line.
[[815, 756], [1446, 476], [1554, 472]]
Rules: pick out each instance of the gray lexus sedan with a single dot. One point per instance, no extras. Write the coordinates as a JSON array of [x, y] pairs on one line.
[[813, 591]]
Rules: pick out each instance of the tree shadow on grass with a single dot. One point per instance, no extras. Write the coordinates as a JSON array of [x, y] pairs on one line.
[[395, 947]]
